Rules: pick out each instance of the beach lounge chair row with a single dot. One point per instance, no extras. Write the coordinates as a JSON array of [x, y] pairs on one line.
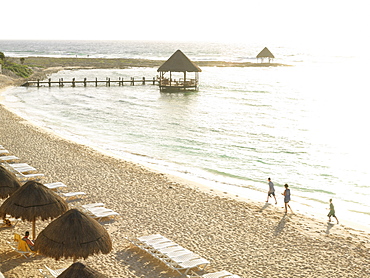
[[67, 195], [25, 172], [98, 211], [170, 253], [22, 171]]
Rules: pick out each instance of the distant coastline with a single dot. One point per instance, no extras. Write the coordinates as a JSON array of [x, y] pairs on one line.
[[121, 63], [43, 66]]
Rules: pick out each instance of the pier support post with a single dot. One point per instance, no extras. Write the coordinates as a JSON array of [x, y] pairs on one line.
[[96, 82]]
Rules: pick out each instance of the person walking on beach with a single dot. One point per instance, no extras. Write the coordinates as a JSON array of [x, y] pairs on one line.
[[286, 194], [271, 191], [332, 211]]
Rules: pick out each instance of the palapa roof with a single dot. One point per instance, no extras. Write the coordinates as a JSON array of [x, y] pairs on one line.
[[265, 53], [33, 201], [179, 62], [73, 235], [79, 270], [8, 183]]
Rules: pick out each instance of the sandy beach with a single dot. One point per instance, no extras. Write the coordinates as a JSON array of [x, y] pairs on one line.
[[250, 239]]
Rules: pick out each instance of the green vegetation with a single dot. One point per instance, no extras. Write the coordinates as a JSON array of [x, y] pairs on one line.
[[20, 70]]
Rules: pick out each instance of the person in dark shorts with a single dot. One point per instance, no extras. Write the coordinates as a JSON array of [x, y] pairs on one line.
[[271, 191], [286, 197], [332, 212]]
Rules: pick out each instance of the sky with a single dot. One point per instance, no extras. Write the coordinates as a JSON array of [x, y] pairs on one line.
[[315, 22]]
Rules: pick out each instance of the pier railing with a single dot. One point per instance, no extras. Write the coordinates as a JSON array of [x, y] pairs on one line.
[[108, 82]]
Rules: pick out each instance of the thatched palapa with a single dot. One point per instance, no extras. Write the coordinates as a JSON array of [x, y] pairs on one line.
[[8, 183], [79, 270], [178, 62], [33, 201], [73, 235], [265, 53]]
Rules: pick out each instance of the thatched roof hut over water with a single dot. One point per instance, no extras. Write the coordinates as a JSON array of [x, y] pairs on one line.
[[178, 63], [265, 53]]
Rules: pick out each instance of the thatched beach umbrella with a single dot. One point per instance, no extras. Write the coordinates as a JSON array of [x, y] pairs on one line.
[[73, 235], [79, 270], [8, 183], [33, 201]]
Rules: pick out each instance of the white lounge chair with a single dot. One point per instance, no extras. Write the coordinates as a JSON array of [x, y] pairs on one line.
[[8, 158], [219, 274], [72, 195], [150, 237], [105, 214], [56, 272], [184, 257], [3, 152], [55, 185], [21, 167], [26, 177], [98, 211], [93, 205], [22, 171], [187, 265], [95, 210], [173, 255]]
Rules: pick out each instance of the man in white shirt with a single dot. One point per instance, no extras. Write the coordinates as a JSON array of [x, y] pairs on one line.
[[271, 191]]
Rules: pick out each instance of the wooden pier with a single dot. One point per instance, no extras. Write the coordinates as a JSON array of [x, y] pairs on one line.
[[108, 82]]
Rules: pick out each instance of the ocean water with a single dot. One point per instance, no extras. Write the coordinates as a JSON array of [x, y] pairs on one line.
[[304, 125]]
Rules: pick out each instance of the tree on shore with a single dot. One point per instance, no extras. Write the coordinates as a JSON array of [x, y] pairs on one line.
[[19, 70]]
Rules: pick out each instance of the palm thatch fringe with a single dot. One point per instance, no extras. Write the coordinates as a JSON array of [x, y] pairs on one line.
[[33, 201], [8, 183]]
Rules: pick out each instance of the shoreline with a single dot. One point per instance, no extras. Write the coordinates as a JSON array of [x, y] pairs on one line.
[[251, 239], [239, 193]]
